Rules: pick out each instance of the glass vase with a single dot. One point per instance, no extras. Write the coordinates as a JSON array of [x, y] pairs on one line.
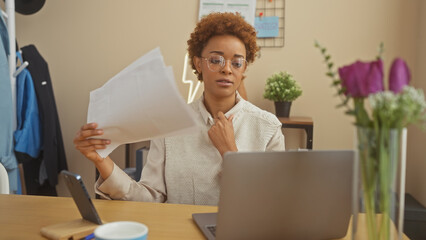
[[381, 159]]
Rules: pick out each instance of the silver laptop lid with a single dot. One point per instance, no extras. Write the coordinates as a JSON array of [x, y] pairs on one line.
[[285, 195]]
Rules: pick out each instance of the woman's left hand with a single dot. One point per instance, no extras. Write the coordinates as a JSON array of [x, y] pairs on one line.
[[222, 134]]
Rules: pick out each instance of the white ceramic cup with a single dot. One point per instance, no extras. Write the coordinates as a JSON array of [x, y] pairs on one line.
[[124, 230]]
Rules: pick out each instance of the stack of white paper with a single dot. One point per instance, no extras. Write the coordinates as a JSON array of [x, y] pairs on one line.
[[140, 103]]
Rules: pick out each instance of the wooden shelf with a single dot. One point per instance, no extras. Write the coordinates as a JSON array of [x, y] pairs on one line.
[[303, 123]]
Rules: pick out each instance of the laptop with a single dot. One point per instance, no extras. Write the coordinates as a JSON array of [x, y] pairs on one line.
[[282, 195]]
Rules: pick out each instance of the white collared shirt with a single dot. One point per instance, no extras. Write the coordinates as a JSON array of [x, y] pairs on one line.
[[185, 169]]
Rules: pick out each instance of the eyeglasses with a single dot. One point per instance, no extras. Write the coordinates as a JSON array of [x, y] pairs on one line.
[[217, 62]]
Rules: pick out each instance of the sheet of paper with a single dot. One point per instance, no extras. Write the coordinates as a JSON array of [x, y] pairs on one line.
[[246, 8], [140, 103], [267, 27]]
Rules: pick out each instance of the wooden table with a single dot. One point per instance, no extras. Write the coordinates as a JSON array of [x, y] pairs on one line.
[[305, 123], [22, 216]]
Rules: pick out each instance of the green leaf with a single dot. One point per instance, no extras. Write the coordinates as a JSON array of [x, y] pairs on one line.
[[350, 112], [316, 44], [381, 49], [336, 82], [323, 50], [327, 57], [340, 105], [330, 65], [346, 100]]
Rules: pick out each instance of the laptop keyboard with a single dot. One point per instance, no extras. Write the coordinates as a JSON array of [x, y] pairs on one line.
[[212, 229]]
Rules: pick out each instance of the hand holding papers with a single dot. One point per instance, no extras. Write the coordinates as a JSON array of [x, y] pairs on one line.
[[140, 103]]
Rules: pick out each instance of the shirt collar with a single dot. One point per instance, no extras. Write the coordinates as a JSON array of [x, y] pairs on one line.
[[207, 117]]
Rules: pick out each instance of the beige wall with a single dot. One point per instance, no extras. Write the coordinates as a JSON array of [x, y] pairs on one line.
[[87, 42]]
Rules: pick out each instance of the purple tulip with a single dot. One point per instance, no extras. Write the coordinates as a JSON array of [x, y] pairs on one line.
[[362, 78], [399, 75]]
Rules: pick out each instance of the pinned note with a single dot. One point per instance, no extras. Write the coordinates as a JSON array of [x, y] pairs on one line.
[[267, 26]]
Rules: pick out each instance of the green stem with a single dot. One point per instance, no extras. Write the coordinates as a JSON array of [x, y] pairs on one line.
[[384, 171], [361, 116], [388, 150]]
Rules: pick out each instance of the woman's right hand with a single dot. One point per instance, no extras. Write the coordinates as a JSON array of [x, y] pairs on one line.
[[87, 145]]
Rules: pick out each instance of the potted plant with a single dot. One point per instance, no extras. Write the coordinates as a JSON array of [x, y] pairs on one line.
[[283, 90]]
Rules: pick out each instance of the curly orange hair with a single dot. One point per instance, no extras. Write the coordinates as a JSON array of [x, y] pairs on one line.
[[221, 24]]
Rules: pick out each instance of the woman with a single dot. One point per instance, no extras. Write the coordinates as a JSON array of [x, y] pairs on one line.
[[186, 169]]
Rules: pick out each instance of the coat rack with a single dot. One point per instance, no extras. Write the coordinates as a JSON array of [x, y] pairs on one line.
[[10, 15]]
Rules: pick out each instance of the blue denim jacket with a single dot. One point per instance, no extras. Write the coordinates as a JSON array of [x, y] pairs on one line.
[[28, 131]]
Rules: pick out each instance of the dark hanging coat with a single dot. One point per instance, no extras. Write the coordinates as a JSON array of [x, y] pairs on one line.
[[53, 152]]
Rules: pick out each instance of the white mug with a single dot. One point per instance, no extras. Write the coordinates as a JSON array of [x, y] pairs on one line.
[[124, 230]]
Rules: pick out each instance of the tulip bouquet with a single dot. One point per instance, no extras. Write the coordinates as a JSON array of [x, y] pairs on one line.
[[380, 117]]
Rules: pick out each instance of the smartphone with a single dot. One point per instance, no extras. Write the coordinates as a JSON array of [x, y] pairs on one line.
[[81, 197]]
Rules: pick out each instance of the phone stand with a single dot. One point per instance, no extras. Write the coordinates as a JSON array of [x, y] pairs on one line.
[[75, 229]]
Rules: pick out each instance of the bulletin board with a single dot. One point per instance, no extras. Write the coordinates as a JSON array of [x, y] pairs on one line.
[[268, 8]]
